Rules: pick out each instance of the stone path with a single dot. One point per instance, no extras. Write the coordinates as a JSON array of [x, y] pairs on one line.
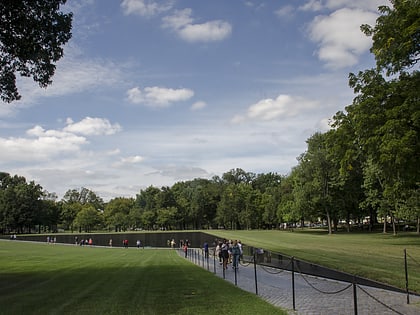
[[313, 295]]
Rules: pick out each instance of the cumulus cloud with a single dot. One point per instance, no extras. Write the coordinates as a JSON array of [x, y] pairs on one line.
[[182, 24], [146, 8], [158, 96], [132, 159], [339, 37], [39, 145], [198, 105], [43, 144], [92, 126], [284, 106]]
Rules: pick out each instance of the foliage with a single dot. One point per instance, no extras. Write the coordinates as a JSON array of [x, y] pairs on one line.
[[32, 35], [396, 36]]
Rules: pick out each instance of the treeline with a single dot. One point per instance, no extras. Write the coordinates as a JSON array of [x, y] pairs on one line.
[[365, 166]]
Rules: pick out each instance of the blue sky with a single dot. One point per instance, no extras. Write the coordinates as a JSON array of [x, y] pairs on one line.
[[156, 92]]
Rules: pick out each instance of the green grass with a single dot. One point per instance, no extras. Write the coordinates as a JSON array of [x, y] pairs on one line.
[[375, 256], [37, 278]]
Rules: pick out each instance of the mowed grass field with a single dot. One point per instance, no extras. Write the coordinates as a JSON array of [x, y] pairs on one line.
[[375, 256], [38, 278]]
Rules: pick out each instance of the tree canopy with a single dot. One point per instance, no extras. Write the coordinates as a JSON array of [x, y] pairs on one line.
[[32, 36]]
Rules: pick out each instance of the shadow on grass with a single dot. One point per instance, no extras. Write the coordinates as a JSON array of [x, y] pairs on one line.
[[162, 289]]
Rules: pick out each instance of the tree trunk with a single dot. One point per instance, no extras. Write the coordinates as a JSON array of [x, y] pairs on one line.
[[394, 230], [329, 222], [384, 230], [418, 225]]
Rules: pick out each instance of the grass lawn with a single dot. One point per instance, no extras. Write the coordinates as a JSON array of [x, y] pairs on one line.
[[37, 278], [376, 256]]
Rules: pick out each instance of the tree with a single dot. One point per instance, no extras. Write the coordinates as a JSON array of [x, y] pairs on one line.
[[116, 213], [32, 36], [396, 36], [20, 203], [88, 218]]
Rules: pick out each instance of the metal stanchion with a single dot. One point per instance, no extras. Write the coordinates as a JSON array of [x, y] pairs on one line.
[[406, 276], [293, 283], [255, 275], [355, 296]]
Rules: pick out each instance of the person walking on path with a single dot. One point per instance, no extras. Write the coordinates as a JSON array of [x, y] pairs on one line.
[[206, 250], [236, 252], [186, 249], [225, 254]]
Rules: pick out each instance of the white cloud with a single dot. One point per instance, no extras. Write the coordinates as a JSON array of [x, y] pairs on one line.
[[92, 126], [41, 144], [285, 11], [198, 105], [158, 96], [284, 106], [318, 5], [132, 159], [144, 8], [339, 37], [181, 23], [74, 74]]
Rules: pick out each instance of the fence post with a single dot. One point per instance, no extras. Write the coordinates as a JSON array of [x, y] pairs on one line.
[[255, 274], [406, 276], [293, 283], [214, 262], [355, 296]]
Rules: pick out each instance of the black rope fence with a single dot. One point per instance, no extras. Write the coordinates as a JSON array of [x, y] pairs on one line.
[[378, 301], [276, 263]]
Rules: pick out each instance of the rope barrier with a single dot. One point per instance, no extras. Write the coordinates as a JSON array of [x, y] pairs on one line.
[[377, 300], [245, 265], [275, 272], [271, 272], [319, 290]]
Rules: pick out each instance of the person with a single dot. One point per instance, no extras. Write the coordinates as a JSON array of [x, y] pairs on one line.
[[236, 252], [206, 250], [225, 254], [138, 243], [125, 243], [218, 252], [186, 249], [110, 242]]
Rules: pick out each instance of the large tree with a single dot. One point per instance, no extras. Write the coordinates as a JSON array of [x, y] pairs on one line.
[[396, 36], [32, 36]]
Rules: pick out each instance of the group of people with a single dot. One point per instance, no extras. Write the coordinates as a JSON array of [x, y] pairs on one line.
[[229, 252]]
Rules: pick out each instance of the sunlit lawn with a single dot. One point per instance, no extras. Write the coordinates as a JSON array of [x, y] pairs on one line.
[[37, 278], [373, 255]]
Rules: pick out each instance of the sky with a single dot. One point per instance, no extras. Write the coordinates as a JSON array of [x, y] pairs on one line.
[[150, 93]]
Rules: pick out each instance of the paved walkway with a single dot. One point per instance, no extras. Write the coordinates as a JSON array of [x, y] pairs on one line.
[[313, 295]]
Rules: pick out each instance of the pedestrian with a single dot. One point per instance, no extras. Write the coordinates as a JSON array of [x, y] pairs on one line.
[[138, 243], [236, 252], [206, 250], [218, 252], [186, 249], [225, 254], [110, 242]]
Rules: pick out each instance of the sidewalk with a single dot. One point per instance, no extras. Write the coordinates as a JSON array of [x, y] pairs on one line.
[[313, 295]]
